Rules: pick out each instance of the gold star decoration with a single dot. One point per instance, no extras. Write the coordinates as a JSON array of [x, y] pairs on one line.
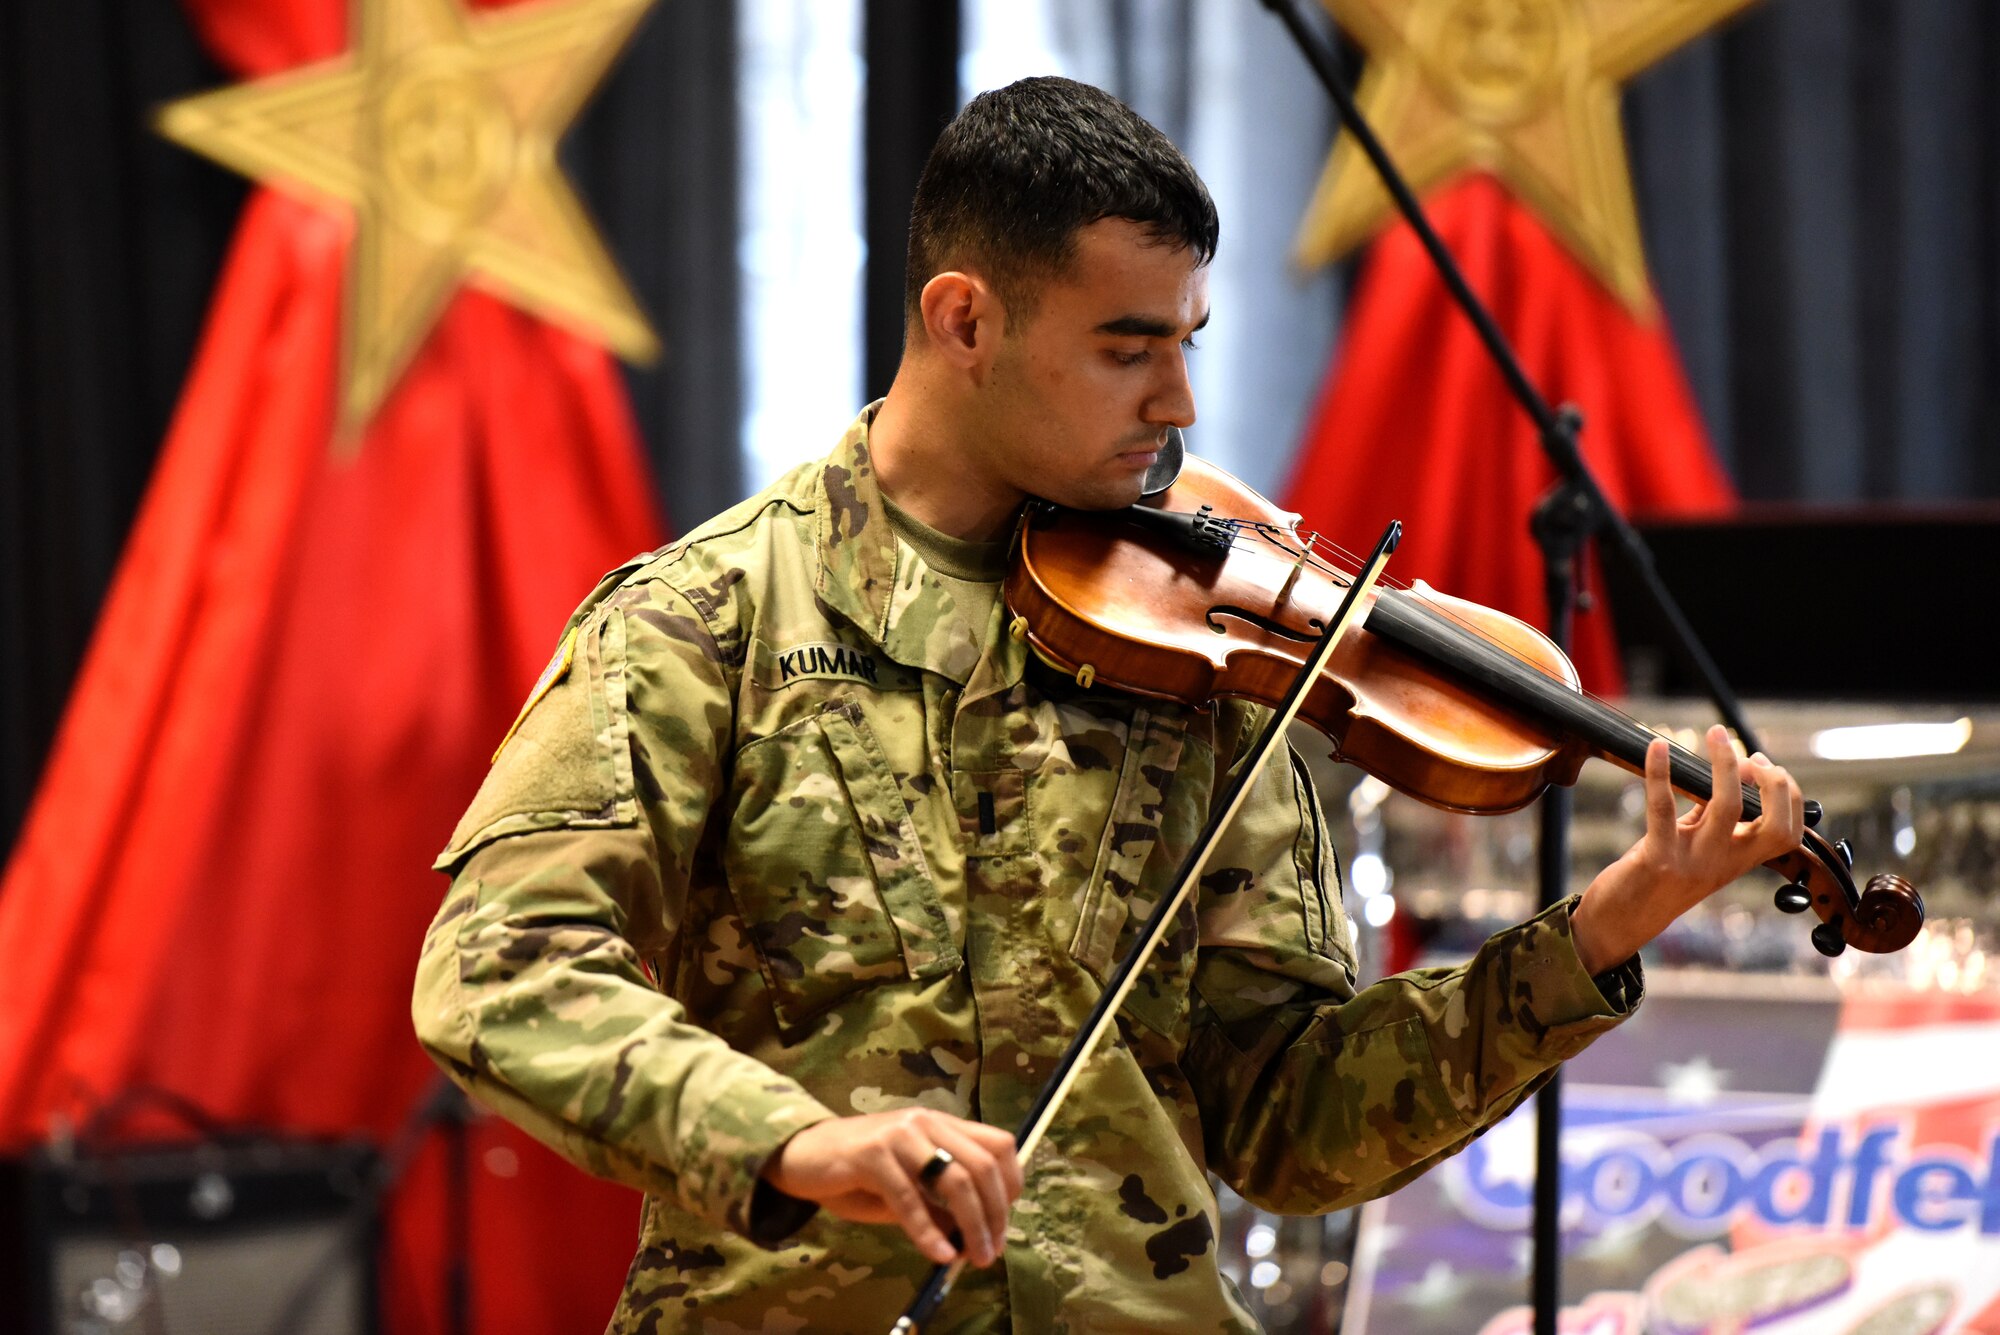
[[438, 129], [1526, 90]]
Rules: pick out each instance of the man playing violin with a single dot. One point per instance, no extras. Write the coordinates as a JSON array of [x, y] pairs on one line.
[[799, 872]]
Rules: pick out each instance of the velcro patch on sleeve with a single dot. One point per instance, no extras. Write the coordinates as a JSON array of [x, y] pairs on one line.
[[567, 763], [557, 669]]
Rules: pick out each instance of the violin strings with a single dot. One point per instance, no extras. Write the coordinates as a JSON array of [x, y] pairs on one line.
[[1312, 543], [1691, 769]]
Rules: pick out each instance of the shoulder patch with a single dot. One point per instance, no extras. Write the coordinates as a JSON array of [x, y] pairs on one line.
[[557, 669], [568, 764]]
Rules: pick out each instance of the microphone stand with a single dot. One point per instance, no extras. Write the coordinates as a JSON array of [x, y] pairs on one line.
[[1574, 511]]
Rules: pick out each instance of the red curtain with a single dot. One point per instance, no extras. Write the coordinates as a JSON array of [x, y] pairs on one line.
[[1416, 423], [306, 656]]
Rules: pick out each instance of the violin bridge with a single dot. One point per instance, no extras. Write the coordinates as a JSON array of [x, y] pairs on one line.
[[1291, 580]]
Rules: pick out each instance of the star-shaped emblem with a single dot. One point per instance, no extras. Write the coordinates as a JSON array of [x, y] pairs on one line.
[[1697, 1082], [438, 130], [1526, 90]]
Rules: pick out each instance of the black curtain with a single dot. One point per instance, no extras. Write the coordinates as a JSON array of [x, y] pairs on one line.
[[109, 242], [111, 239], [1817, 185], [911, 47], [655, 159]]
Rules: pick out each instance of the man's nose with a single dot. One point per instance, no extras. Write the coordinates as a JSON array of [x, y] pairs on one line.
[[1172, 404]]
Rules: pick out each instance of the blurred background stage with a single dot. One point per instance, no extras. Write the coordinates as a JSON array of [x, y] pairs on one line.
[[312, 430]]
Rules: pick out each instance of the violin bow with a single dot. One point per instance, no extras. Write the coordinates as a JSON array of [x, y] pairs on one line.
[[1050, 1100]]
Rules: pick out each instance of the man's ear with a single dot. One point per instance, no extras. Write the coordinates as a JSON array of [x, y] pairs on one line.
[[963, 320]]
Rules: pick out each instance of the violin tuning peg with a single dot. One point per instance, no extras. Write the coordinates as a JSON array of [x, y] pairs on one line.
[[1813, 813], [1793, 899], [1846, 851], [1827, 940]]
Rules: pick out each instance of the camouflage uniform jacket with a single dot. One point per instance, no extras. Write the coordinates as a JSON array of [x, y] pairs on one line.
[[773, 844]]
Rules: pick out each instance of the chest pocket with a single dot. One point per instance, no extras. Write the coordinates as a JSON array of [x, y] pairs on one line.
[[826, 869], [1156, 811]]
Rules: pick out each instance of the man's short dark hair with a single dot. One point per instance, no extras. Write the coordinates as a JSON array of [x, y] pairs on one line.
[[1021, 168]]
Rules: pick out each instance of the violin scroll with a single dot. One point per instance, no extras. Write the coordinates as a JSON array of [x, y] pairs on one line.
[[1883, 918], [1889, 915]]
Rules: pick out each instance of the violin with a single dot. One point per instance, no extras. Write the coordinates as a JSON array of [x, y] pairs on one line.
[[1207, 589]]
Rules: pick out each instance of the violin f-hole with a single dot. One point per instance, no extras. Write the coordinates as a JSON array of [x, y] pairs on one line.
[[1264, 623]]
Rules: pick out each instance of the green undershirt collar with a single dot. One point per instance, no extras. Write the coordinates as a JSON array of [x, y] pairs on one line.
[[954, 558]]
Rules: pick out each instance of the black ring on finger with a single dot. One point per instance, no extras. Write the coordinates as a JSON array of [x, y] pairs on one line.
[[933, 1169]]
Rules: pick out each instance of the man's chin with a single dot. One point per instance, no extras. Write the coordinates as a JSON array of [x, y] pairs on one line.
[[1106, 496]]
